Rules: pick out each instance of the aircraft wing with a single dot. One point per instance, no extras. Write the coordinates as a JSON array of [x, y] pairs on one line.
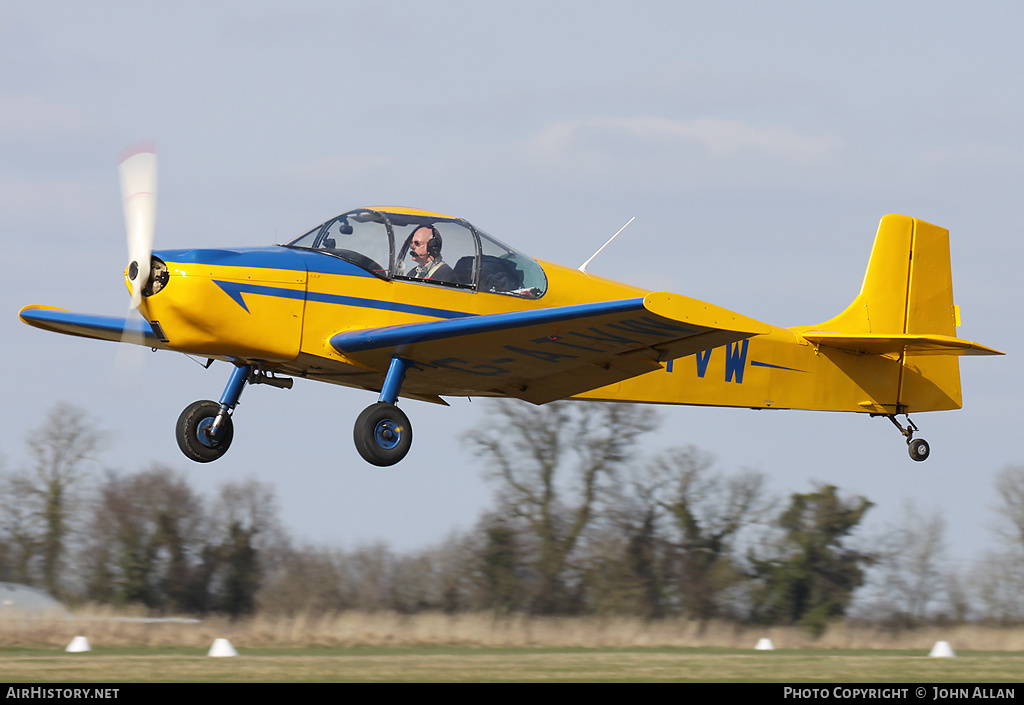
[[88, 325], [542, 355]]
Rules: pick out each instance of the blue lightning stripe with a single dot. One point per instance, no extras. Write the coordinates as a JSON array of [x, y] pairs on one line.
[[236, 289], [754, 363], [386, 306]]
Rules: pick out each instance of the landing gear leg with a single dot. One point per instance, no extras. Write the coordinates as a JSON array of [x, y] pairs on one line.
[[204, 430], [382, 433], [918, 448]]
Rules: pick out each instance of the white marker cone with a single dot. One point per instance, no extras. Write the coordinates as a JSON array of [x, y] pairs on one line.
[[942, 649], [764, 644], [222, 647], [78, 645]]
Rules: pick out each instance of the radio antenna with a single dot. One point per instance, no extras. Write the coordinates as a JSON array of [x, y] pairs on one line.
[[583, 267]]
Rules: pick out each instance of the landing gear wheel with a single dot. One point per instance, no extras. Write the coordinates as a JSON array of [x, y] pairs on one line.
[[383, 434], [193, 432], [919, 449]]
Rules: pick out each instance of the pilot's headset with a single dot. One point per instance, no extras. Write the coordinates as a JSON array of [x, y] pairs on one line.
[[434, 243]]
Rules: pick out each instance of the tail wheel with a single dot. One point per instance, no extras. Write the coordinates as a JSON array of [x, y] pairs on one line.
[[382, 434], [193, 432], [919, 449]]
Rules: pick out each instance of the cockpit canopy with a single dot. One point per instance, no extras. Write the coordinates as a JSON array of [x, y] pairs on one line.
[[412, 245]]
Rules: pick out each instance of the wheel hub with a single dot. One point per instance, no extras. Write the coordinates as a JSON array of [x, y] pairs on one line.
[[387, 433], [204, 433]]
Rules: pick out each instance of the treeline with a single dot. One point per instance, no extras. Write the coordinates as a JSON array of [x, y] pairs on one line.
[[144, 539], [582, 525]]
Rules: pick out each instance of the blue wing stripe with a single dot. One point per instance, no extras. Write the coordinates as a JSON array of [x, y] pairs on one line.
[[356, 341]]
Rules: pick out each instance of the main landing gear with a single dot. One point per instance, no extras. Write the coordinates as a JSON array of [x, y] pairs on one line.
[[383, 434], [204, 429], [917, 447]]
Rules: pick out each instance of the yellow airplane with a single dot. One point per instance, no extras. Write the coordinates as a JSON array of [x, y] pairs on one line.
[[419, 305]]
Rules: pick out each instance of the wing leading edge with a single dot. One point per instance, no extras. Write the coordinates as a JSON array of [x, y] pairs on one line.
[[87, 325], [547, 354]]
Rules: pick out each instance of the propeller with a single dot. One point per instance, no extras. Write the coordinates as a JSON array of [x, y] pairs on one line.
[[137, 171], [137, 168]]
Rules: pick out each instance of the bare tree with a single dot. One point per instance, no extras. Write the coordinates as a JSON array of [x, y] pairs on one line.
[[40, 504], [22, 537], [999, 578], [684, 524], [909, 577], [247, 536], [501, 565], [146, 542], [369, 577], [552, 465], [998, 582], [1010, 488], [10, 549]]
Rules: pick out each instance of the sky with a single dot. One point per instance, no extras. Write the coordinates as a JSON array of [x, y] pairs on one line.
[[757, 145]]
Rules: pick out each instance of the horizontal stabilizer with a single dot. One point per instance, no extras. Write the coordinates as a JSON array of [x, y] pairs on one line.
[[88, 325], [881, 344]]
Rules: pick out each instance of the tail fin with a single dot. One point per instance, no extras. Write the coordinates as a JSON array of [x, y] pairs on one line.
[[908, 287], [905, 311]]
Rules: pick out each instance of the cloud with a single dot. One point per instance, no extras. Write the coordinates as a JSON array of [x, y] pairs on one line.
[[659, 155], [715, 137], [972, 154], [339, 168], [33, 118], [77, 205]]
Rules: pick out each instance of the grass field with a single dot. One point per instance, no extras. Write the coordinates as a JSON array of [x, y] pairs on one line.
[[437, 664], [476, 647]]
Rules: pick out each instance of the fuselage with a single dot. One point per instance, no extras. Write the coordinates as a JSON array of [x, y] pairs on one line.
[[279, 308]]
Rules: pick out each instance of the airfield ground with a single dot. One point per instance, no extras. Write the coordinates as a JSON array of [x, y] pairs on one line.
[[446, 664], [387, 647]]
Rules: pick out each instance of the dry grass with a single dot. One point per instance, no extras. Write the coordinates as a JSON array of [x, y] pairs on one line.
[[461, 664], [104, 627]]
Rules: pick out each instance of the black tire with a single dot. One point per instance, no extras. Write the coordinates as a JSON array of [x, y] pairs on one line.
[[191, 434], [919, 449], [383, 434]]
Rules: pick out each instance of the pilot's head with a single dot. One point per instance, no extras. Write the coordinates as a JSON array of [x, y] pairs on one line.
[[425, 244]]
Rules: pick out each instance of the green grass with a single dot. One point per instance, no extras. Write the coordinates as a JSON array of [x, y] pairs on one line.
[[445, 664]]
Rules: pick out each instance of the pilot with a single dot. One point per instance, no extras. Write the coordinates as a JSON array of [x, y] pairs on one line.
[[425, 250]]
